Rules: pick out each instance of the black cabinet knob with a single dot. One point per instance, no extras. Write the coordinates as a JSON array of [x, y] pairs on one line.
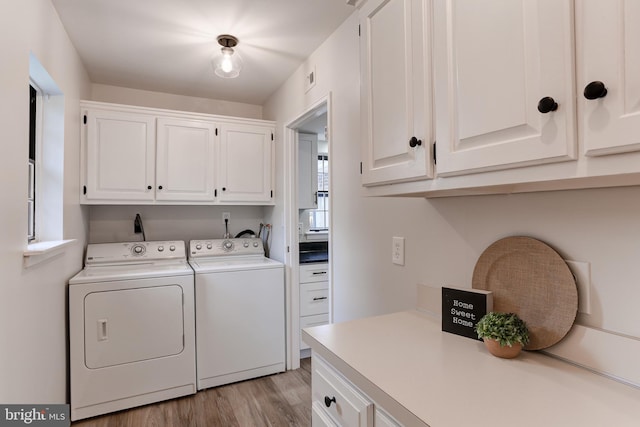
[[224, 188], [328, 401], [595, 90], [149, 187], [547, 104], [159, 187], [414, 141]]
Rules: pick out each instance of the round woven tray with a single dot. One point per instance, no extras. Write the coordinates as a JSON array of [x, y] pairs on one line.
[[529, 278]]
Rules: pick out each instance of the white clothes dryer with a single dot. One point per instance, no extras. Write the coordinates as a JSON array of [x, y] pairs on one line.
[[131, 327], [240, 311]]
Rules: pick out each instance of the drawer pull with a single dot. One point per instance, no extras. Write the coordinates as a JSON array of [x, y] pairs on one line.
[[317, 273], [327, 401], [319, 298]]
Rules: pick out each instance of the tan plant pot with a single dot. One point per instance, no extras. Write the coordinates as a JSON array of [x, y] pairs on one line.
[[505, 352]]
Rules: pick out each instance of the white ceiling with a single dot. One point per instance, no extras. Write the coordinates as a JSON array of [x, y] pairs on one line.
[[167, 45]]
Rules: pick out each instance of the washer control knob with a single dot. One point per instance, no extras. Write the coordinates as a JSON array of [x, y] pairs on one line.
[[245, 244], [255, 244], [160, 248], [198, 246], [209, 246], [227, 245], [138, 250], [172, 248]]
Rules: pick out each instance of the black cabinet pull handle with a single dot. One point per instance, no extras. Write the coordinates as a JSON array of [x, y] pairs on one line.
[[414, 141], [327, 401], [149, 187], [595, 90], [159, 187], [319, 298], [547, 104]]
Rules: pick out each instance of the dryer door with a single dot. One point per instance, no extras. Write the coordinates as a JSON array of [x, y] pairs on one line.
[[131, 325]]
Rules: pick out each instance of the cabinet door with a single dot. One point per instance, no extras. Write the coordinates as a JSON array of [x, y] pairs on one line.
[[608, 39], [494, 61], [395, 91], [307, 171], [246, 156], [185, 160], [120, 155]]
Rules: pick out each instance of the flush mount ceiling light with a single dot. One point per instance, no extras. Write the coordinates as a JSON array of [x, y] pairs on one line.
[[228, 63]]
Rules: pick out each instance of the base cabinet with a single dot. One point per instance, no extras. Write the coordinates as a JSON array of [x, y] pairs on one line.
[[336, 399], [314, 297]]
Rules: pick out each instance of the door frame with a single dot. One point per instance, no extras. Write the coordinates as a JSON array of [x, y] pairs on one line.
[[291, 223]]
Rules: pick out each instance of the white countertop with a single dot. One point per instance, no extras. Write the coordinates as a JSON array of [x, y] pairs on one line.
[[423, 376]]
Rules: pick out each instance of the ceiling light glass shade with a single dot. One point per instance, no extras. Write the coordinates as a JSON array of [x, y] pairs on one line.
[[228, 64]]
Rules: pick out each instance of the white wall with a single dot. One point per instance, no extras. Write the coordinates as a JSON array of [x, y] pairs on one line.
[[145, 98], [33, 360], [445, 237], [364, 279]]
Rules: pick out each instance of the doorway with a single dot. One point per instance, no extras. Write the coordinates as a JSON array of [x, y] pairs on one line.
[[308, 219]]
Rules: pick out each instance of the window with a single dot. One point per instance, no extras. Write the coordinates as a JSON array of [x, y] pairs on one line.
[[320, 217], [31, 191]]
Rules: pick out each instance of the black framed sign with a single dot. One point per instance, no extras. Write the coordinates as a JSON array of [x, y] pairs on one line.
[[463, 308]]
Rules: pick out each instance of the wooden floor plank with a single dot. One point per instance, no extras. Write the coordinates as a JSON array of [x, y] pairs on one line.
[[273, 401]]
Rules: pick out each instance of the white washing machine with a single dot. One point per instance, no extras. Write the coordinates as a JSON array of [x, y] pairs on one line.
[[131, 327], [240, 311]]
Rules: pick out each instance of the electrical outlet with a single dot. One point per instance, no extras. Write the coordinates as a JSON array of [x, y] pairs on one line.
[[582, 273], [397, 250], [226, 216]]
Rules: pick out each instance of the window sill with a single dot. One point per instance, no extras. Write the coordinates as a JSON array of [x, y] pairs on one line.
[[42, 251]]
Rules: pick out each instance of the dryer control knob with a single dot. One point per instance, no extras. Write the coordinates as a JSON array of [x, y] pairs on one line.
[[209, 246], [245, 244], [172, 248], [160, 248], [198, 246], [255, 244], [227, 245]]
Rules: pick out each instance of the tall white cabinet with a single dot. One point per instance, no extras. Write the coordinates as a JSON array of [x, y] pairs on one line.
[[135, 155], [307, 171], [396, 117], [505, 84]]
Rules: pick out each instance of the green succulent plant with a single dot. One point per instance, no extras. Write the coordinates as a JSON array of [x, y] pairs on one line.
[[506, 328]]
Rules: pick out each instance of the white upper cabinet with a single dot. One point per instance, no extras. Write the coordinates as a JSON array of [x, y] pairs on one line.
[[504, 84], [120, 156], [246, 163], [608, 37], [185, 166], [137, 155], [396, 113]]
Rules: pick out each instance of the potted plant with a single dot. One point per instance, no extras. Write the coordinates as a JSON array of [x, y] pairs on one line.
[[504, 334]]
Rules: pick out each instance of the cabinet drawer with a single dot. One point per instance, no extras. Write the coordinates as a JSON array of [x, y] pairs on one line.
[[314, 273], [319, 417], [314, 298], [309, 321], [347, 406]]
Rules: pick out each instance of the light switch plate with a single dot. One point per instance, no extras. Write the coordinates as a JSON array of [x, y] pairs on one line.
[[397, 250]]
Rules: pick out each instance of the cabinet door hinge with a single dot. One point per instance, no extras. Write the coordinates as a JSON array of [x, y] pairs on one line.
[[360, 168], [84, 189], [434, 153], [84, 119]]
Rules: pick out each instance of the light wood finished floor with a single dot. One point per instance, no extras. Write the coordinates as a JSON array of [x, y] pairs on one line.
[[274, 401]]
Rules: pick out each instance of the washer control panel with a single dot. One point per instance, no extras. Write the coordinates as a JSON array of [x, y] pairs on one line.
[[225, 247], [104, 253]]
